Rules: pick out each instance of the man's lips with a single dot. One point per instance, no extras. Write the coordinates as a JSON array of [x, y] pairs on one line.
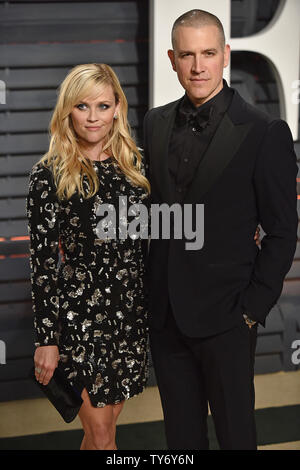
[[199, 80]]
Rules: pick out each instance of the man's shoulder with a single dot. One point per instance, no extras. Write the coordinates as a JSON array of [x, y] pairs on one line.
[[267, 121], [249, 112], [268, 126], [161, 110]]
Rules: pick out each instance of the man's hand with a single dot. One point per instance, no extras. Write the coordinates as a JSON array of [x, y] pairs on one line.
[[256, 236], [249, 321], [45, 360]]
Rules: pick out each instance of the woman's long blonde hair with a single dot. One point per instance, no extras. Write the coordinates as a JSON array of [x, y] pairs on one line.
[[68, 163]]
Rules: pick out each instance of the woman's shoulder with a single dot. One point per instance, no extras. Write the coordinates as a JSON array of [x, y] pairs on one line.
[[40, 176], [41, 170], [40, 167]]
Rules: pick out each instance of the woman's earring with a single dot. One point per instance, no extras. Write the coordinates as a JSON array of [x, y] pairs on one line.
[[115, 116]]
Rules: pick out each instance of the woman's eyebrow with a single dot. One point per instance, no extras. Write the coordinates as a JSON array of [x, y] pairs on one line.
[[98, 102]]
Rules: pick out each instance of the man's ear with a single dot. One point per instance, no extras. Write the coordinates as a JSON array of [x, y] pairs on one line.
[[172, 58], [226, 55]]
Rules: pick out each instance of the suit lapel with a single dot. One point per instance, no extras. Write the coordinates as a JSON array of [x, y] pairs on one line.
[[223, 147], [227, 140]]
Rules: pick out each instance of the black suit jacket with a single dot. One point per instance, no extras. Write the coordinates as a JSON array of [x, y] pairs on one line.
[[247, 176]]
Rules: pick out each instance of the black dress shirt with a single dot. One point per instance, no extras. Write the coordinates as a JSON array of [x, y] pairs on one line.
[[193, 131]]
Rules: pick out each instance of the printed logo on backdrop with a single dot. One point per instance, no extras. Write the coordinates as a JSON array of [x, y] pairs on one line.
[[296, 93], [278, 43]]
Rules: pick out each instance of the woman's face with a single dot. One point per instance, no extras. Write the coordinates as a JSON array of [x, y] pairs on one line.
[[93, 117]]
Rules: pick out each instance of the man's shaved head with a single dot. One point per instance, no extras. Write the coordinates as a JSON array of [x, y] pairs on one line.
[[197, 19]]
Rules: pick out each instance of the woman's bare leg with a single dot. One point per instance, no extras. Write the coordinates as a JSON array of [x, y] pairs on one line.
[[83, 444], [99, 424]]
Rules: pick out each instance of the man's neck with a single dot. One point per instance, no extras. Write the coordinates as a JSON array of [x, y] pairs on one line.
[[200, 102]]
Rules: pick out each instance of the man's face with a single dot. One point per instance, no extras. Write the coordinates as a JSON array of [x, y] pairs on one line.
[[199, 59]]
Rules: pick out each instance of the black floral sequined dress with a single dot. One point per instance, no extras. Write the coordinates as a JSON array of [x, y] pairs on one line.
[[92, 301]]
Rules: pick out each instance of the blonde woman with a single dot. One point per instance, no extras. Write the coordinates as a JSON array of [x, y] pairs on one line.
[[90, 316]]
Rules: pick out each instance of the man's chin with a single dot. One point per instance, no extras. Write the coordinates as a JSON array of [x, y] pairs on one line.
[[199, 97]]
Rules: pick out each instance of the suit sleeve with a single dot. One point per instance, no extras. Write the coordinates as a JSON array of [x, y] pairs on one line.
[[42, 207], [276, 195], [146, 161]]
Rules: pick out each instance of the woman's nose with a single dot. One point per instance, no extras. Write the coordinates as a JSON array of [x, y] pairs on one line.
[[92, 116]]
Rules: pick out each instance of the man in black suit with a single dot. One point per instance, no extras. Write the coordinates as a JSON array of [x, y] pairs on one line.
[[210, 147]]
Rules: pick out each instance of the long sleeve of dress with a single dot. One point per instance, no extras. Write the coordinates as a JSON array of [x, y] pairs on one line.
[[42, 206]]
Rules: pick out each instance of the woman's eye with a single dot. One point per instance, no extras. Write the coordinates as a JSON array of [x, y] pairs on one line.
[[102, 106]]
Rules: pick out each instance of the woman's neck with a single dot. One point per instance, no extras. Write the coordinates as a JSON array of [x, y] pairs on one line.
[[94, 152]]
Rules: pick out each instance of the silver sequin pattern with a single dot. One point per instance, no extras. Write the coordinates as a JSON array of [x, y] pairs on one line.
[[91, 301]]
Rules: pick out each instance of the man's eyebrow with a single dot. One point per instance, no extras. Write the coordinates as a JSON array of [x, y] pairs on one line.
[[211, 49]]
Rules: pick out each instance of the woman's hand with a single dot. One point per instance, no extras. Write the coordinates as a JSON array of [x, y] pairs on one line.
[[45, 360], [256, 236]]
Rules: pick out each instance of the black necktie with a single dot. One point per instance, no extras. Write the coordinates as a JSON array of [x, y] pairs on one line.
[[200, 118]]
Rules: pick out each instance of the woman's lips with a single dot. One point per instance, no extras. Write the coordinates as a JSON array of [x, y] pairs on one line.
[[92, 128]]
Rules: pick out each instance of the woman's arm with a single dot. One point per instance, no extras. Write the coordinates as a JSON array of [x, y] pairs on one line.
[[42, 206]]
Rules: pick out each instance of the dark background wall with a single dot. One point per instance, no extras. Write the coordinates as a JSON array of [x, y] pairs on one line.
[[39, 43]]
